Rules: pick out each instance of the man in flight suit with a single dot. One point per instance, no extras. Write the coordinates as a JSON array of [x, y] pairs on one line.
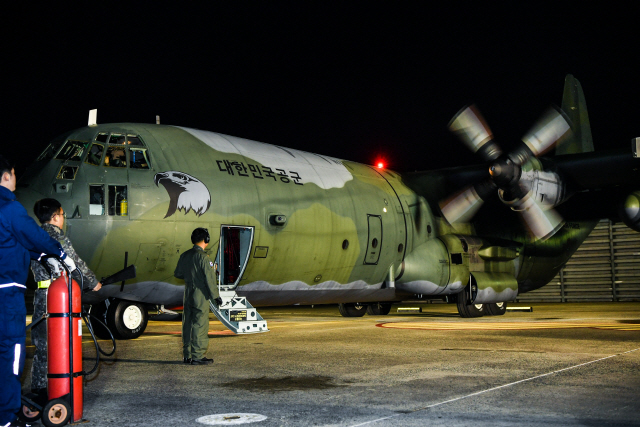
[[198, 272], [51, 215], [20, 240]]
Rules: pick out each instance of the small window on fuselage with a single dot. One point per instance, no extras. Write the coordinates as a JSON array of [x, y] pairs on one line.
[[102, 137], [118, 205], [67, 172], [96, 199], [95, 154]]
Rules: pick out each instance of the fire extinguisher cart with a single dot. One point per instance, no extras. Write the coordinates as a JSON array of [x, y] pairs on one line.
[[64, 353]]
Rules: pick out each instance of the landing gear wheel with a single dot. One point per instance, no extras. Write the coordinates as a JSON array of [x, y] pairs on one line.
[[496, 309], [379, 309], [127, 319], [56, 413], [29, 413], [99, 311], [465, 309], [352, 309]]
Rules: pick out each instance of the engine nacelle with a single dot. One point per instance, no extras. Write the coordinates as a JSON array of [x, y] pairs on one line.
[[546, 187], [439, 266], [629, 210]]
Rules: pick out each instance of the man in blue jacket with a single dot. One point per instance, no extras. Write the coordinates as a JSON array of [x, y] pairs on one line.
[[20, 240]]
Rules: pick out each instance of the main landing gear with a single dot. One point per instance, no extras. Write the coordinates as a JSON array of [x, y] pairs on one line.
[[468, 309], [355, 309]]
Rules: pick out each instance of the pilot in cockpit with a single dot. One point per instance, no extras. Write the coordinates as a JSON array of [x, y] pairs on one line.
[[116, 158]]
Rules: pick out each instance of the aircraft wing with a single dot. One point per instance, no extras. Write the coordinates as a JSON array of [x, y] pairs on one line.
[[149, 292]]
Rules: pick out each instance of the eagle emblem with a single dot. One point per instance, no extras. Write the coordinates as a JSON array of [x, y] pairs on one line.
[[185, 192]]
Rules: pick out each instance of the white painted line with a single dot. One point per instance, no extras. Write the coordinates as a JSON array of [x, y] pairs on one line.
[[230, 419], [495, 388]]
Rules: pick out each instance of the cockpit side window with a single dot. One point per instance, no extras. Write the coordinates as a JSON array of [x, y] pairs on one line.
[[48, 152], [72, 150], [52, 148], [116, 157], [95, 154], [139, 158]]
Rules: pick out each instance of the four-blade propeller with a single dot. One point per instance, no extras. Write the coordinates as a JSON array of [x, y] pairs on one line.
[[505, 171]]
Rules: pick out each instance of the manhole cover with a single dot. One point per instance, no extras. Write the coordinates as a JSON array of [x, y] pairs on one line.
[[230, 419]]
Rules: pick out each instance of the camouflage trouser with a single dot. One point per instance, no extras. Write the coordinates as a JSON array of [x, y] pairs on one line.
[[39, 340], [195, 323]]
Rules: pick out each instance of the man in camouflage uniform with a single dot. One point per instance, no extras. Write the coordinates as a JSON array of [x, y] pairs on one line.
[[198, 272], [51, 215]]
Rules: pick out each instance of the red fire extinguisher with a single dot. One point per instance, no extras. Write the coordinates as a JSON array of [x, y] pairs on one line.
[[64, 333]]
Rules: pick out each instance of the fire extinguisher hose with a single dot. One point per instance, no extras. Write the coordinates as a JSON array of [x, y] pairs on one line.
[[85, 317]]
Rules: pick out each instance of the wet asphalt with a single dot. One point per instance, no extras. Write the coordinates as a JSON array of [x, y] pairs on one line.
[[573, 364]]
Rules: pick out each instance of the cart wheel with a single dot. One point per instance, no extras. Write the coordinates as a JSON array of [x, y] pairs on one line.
[[29, 414], [56, 413]]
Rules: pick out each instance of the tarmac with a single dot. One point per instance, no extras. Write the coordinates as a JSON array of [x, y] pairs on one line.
[[571, 364]]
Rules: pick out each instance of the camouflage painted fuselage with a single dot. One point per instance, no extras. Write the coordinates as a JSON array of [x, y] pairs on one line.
[[352, 233]]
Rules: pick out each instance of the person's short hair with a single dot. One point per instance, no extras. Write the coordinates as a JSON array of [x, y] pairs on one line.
[[45, 209], [5, 166], [200, 234]]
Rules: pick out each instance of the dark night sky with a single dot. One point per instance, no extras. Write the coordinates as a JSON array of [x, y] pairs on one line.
[[352, 81]]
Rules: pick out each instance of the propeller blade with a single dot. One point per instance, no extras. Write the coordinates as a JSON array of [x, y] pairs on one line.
[[463, 206], [541, 223], [472, 129], [552, 126]]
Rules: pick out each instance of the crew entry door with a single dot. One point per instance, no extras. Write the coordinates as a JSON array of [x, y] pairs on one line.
[[234, 311], [233, 255]]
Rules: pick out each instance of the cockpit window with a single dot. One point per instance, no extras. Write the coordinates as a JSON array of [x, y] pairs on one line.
[[95, 154], [67, 172], [139, 158], [48, 152], [134, 140], [117, 139], [102, 137], [72, 150], [116, 157]]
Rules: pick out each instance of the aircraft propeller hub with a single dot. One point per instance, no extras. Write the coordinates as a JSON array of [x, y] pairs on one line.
[[505, 171]]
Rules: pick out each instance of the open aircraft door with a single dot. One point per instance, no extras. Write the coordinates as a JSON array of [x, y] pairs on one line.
[[234, 311]]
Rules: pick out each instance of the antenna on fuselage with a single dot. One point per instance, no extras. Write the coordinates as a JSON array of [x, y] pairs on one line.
[[93, 117], [157, 120]]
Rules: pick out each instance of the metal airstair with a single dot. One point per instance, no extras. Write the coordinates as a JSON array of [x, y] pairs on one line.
[[237, 314]]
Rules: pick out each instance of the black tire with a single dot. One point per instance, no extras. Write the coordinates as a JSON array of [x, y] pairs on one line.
[[56, 413], [465, 309], [99, 311], [28, 413], [496, 309], [352, 309], [379, 309], [127, 319]]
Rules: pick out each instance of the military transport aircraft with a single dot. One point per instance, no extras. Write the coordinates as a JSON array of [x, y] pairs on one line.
[[298, 227]]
